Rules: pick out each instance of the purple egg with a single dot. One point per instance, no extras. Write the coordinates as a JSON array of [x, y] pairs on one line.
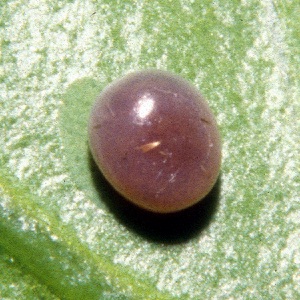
[[155, 140]]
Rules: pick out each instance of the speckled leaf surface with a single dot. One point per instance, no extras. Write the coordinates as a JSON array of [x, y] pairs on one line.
[[65, 234]]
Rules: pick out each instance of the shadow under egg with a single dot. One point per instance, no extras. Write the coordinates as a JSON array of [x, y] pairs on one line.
[[170, 228]]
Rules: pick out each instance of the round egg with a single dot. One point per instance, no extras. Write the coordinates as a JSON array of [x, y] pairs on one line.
[[155, 139]]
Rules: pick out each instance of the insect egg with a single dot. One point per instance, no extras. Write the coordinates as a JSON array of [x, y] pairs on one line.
[[155, 140]]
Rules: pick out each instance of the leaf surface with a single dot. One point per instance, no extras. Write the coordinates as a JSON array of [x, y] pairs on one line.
[[65, 233]]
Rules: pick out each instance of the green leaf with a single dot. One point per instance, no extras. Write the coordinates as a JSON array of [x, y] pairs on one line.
[[65, 233]]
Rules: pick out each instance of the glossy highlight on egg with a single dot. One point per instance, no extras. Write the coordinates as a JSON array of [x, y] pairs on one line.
[[155, 140]]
